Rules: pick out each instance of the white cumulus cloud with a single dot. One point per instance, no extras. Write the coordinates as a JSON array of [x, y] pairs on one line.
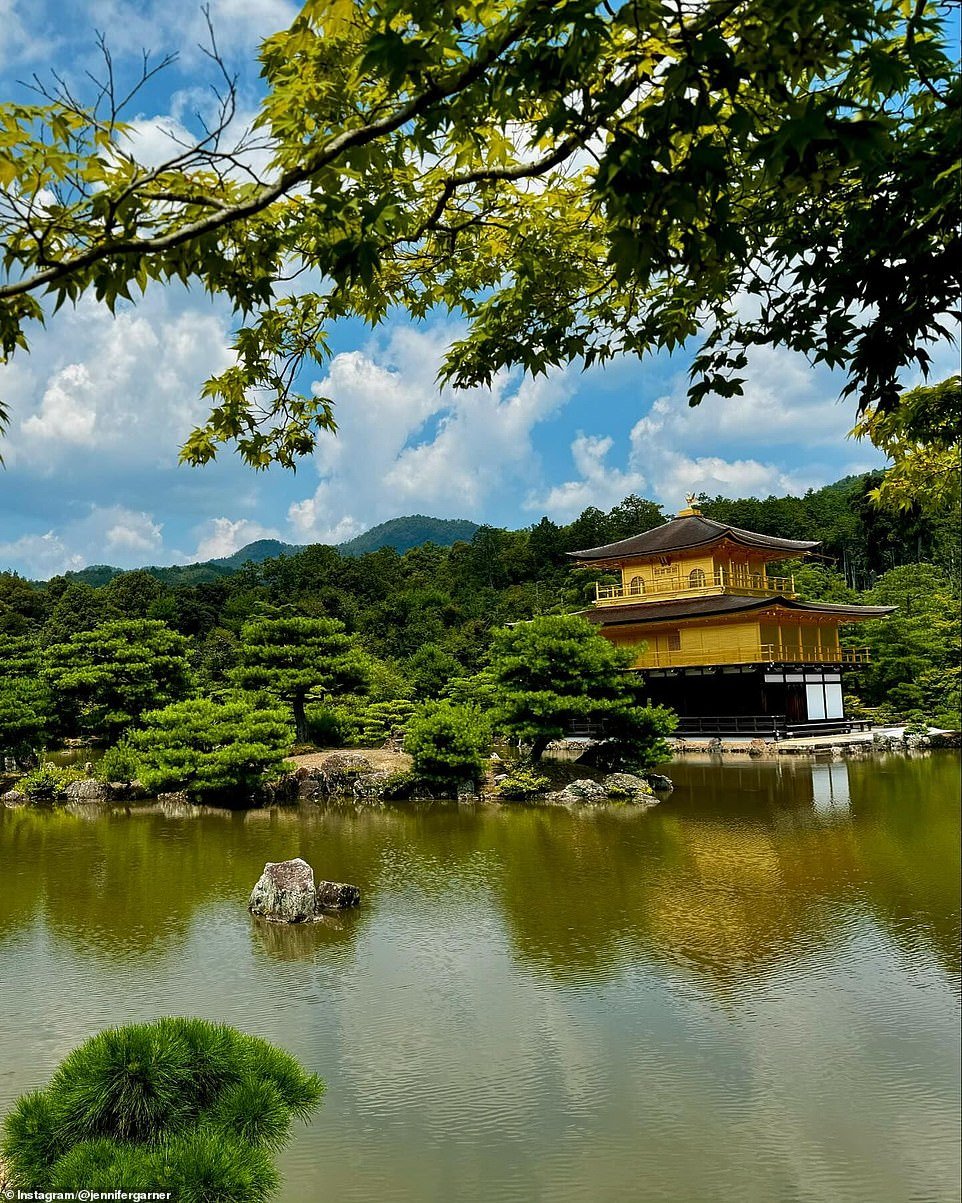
[[599, 484], [39, 556], [123, 387], [220, 537], [403, 445], [104, 534]]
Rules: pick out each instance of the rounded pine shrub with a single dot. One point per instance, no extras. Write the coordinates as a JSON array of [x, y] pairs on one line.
[[118, 763], [448, 742], [523, 782], [210, 747], [181, 1105]]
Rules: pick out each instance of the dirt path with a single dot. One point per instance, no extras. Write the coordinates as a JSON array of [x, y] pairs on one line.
[[383, 759]]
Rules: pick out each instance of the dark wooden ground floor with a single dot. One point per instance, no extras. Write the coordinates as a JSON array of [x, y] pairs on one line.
[[751, 699]]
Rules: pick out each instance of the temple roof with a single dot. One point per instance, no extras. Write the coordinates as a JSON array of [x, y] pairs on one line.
[[706, 607], [691, 531]]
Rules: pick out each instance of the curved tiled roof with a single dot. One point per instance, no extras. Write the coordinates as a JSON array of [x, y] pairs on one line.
[[682, 533], [706, 607]]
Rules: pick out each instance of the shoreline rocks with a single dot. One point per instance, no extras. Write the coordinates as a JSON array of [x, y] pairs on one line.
[[616, 787], [842, 747], [286, 892]]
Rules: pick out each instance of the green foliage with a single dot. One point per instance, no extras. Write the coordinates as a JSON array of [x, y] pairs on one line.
[[915, 652], [21, 605], [208, 747], [380, 721], [328, 726], [922, 435], [133, 595], [79, 607], [26, 720], [179, 1104], [448, 742], [104, 679], [385, 680], [293, 657], [214, 660], [357, 721], [732, 187], [430, 669], [819, 582], [557, 669], [47, 781], [523, 782], [120, 762], [480, 690]]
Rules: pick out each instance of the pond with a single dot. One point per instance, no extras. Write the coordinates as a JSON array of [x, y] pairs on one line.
[[748, 993]]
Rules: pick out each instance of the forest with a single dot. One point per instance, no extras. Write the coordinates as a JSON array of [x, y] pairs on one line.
[[396, 631]]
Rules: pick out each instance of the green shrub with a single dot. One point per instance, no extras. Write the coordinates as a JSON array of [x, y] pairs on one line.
[[854, 707], [119, 763], [326, 726], [380, 721], [206, 747], [357, 722], [398, 786], [184, 1105], [47, 781], [448, 742], [916, 723], [523, 782]]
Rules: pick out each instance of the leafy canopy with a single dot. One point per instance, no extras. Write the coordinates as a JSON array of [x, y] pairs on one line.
[[292, 657], [448, 742], [922, 435], [107, 677], [916, 653], [575, 180]]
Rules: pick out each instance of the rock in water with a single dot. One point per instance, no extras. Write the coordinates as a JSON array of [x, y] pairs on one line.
[[336, 896], [584, 790], [286, 893], [86, 790], [627, 785], [661, 785]]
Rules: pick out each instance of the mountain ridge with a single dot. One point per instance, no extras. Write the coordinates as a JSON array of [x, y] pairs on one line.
[[401, 533]]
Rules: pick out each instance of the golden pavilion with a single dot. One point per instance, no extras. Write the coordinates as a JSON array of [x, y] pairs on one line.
[[720, 641]]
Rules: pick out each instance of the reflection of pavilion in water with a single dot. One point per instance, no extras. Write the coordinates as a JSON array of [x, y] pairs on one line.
[[779, 784], [830, 788], [748, 868]]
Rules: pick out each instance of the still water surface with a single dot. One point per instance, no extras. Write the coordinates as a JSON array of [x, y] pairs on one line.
[[750, 993]]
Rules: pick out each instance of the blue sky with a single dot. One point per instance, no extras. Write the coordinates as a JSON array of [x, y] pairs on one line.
[[101, 403]]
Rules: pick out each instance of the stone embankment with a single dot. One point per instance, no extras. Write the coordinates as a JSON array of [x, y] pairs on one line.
[[355, 777], [839, 746], [86, 790], [369, 778]]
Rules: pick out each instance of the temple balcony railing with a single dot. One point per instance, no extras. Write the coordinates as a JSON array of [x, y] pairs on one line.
[[697, 584], [758, 653]]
